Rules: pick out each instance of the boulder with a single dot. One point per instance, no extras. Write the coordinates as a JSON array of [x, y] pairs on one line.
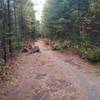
[[34, 49]]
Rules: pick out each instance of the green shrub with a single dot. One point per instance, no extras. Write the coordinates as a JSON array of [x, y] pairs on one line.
[[91, 54], [56, 45], [61, 45], [16, 45], [16, 38], [4, 73]]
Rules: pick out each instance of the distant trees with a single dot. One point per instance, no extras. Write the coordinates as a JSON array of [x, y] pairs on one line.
[[74, 21], [24, 17], [69, 18], [60, 16], [17, 22]]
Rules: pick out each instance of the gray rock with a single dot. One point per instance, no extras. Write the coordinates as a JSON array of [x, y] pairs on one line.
[[35, 49]]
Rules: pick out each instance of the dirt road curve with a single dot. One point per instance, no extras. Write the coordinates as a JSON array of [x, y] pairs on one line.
[[51, 75]]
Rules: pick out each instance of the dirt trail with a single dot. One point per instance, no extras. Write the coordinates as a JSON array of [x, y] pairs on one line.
[[51, 75]]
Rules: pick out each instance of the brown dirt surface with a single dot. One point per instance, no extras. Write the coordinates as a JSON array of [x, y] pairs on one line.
[[51, 75]]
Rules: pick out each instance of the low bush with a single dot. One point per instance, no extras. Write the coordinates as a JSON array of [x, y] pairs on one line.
[[16, 40], [91, 54], [2, 69], [59, 45], [86, 51], [16, 45]]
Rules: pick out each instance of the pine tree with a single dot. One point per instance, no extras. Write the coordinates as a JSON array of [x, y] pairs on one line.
[[17, 21]]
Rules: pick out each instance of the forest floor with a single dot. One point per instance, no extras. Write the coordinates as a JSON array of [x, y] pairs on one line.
[[51, 75]]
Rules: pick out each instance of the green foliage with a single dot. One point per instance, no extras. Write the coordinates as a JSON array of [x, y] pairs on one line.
[[84, 40], [24, 20], [17, 21], [2, 68], [60, 18], [16, 45], [16, 39], [61, 45], [56, 45], [73, 24], [91, 54]]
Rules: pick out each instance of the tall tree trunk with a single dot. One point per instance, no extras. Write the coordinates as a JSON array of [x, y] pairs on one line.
[[4, 31], [9, 26]]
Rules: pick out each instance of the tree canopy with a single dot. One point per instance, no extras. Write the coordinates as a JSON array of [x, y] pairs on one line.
[[74, 21]]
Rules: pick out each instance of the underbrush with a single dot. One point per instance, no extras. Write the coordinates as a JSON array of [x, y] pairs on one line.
[[83, 49], [16, 40], [61, 45], [3, 71], [91, 54]]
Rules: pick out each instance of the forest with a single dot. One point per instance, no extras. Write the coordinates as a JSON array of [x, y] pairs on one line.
[[68, 24], [56, 57], [73, 24], [17, 22]]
